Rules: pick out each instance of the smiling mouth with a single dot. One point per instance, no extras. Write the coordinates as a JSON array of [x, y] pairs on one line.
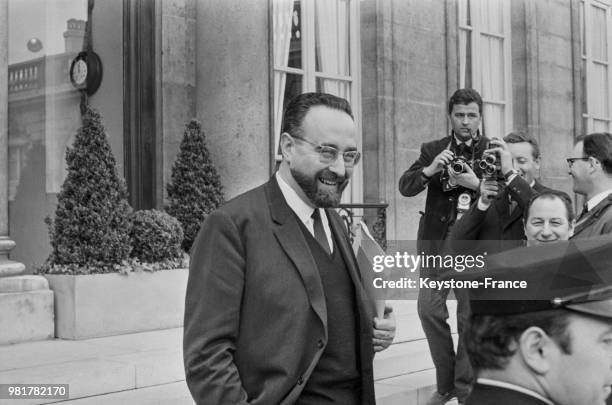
[[328, 182]]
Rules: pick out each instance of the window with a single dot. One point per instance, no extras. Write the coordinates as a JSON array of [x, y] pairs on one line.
[[595, 23], [485, 59], [316, 48]]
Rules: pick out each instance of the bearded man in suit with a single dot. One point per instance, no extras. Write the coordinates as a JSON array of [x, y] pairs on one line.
[[276, 312]]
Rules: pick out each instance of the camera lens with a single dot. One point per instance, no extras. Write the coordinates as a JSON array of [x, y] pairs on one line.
[[457, 167], [490, 159]]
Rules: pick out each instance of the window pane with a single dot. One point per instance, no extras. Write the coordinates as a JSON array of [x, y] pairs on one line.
[[600, 96], [492, 16], [601, 126], [332, 30], [493, 71], [493, 119], [335, 87], [585, 125], [43, 114], [465, 12], [295, 48], [287, 33], [598, 33], [293, 87], [582, 30]]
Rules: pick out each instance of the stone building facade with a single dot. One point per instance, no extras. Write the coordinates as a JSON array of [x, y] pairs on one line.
[[541, 65]]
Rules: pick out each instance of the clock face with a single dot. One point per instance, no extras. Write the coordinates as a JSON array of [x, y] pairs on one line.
[[79, 72], [86, 72]]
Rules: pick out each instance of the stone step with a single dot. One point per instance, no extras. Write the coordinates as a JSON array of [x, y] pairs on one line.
[[96, 366], [148, 366]]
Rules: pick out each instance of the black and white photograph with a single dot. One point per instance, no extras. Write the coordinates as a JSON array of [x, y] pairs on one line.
[[309, 202]]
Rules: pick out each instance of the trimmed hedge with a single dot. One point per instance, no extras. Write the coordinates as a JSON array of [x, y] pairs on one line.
[[156, 236], [92, 221], [195, 188]]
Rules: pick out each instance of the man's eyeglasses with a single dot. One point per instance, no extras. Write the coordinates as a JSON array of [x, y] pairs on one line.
[[570, 161], [329, 154]]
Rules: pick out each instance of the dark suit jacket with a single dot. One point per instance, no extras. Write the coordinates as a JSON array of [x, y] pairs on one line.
[[440, 206], [596, 222], [489, 395], [255, 315], [495, 225]]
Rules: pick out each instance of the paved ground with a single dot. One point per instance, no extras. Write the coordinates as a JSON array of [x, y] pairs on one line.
[[146, 368]]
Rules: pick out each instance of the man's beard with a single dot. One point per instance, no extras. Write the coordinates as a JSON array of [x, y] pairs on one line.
[[313, 188]]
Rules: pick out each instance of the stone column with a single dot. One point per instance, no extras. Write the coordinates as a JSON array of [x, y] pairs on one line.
[[26, 303]]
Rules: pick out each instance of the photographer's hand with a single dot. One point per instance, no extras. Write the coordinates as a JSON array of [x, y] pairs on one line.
[[439, 162], [500, 148], [488, 191], [468, 179]]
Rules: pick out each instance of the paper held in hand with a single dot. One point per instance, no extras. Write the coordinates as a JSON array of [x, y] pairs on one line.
[[365, 248]]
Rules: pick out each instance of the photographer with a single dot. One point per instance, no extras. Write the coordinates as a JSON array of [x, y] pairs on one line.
[[497, 215], [450, 192]]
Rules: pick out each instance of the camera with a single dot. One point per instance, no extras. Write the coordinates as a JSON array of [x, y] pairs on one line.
[[490, 166], [457, 166]]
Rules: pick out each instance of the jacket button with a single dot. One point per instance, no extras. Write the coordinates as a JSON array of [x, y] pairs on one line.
[[443, 219], [320, 344], [300, 381]]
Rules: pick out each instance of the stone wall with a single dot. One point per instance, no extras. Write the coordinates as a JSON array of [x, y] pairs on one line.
[[178, 76], [404, 96], [232, 89]]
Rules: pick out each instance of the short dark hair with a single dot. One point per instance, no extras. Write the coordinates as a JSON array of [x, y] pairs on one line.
[[297, 108], [599, 146], [519, 137], [491, 340], [551, 195], [465, 97]]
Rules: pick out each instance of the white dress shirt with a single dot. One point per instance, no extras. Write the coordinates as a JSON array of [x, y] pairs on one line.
[[597, 198], [303, 210]]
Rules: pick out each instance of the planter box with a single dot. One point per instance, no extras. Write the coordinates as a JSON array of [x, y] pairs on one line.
[[98, 305]]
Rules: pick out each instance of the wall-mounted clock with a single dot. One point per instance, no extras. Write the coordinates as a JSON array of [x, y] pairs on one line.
[[86, 72]]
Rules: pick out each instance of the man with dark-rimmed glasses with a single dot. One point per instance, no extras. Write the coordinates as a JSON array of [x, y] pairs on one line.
[[590, 167], [276, 312]]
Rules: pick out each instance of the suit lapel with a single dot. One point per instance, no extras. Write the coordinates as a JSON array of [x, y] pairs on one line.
[[592, 215], [344, 247], [288, 233]]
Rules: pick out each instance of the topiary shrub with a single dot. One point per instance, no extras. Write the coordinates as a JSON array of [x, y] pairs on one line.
[[195, 189], [92, 222], [156, 236]]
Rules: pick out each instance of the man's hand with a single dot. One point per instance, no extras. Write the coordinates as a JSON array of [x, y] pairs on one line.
[[439, 162], [467, 179], [488, 191], [384, 330], [500, 148]]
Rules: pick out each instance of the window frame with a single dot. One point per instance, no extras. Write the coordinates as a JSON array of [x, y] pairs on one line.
[[586, 57], [476, 33], [309, 82]]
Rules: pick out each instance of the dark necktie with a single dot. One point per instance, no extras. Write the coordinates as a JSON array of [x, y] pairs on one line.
[[462, 149], [512, 205], [585, 209], [319, 232]]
